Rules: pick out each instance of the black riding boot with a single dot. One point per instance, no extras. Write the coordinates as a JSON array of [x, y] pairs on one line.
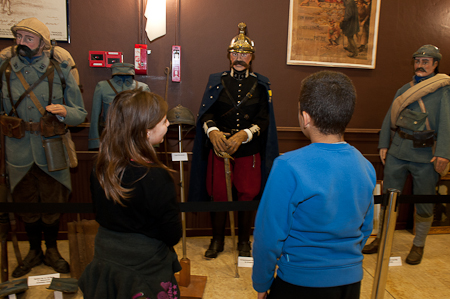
[[218, 220], [52, 257], [245, 221], [35, 255]]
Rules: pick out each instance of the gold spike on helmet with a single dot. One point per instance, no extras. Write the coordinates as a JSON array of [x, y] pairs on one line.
[[241, 43]]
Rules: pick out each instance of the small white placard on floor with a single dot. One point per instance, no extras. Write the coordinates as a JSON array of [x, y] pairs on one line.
[[58, 295], [12, 296], [42, 279], [244, 261], [179, 157], [395, 261]]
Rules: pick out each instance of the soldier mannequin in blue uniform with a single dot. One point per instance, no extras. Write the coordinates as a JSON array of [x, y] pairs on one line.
[[403, 155], [30, 179], [235, 117], [104, 94]]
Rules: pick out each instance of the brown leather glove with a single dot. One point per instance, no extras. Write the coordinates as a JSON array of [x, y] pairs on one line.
[[235, 141], [219, 141]]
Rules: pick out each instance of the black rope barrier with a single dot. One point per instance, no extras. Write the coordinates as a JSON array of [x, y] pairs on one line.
[[188, 206]]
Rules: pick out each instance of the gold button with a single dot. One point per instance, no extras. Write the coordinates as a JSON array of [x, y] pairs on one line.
[[415, 122]]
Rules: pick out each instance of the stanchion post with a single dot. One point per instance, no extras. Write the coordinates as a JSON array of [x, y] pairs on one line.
[[384, 249], [185, 273]]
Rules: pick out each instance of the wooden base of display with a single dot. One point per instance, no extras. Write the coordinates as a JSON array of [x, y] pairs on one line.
[[195, 289]]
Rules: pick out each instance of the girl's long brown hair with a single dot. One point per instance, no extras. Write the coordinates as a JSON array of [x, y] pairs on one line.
[[124, 139]]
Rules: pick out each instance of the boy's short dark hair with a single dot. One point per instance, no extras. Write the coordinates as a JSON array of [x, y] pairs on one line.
[[329, 98]]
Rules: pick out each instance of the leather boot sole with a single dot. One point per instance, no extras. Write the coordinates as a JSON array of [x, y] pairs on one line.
[[371, 248], [53, 259], [244, 249], [214, 248], [28, 263]]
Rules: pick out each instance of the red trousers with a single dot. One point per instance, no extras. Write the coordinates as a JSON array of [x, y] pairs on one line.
[[245, 177]]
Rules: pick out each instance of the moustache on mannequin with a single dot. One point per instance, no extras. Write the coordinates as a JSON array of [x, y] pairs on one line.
[[419, 69], [240, 62], [26, 51]]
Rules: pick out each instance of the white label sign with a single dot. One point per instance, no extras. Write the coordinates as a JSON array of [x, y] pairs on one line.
[[245, 262], [179, 157], [42, 279]]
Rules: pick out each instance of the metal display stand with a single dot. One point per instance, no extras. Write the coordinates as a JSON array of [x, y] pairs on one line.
[[384, 250], [191, 286]]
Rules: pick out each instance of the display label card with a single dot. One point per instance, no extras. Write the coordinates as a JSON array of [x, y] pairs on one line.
[[245, 262], [395, 261], [179, 157], [42, 279]]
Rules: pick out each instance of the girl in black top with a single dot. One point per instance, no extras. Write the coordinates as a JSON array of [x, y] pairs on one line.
[[135, 204]]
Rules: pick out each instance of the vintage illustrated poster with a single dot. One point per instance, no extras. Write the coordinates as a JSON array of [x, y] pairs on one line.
[[52, 13], [333, 33]]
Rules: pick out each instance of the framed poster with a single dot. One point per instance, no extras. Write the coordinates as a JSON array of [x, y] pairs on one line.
[[333, 33], [53, 13]]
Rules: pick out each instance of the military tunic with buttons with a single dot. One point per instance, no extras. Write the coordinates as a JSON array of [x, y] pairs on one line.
[[103, 97], [258, 110], [22, 153], [253, 112], [403, 158], [437, 105]]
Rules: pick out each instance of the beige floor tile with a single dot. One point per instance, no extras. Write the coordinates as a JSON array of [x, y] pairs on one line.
[[429, 280]]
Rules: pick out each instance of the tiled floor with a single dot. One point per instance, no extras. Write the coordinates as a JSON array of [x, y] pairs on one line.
[[429, 280]]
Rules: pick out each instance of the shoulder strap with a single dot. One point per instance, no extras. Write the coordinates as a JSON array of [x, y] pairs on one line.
[[422, 107], [237, 106], [415, 93], [2, 70], [8, 85], [110, 84], [29, 89]]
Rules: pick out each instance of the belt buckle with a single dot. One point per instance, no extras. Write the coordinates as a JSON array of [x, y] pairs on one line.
[[30, 123]]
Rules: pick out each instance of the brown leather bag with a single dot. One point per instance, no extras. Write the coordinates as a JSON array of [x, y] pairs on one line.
[[51, 126], [13, 126]]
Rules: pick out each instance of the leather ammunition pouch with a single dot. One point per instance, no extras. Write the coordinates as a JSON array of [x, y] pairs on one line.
[[13, 126], [51, 126], [423, 138]]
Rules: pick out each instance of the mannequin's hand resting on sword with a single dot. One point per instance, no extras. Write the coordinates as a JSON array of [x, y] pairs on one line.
[[219, 141]]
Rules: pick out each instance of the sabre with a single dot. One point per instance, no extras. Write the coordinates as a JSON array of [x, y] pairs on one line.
[[227, 158]]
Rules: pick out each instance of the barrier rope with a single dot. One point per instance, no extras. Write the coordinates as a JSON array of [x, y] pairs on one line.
[[190, 206]]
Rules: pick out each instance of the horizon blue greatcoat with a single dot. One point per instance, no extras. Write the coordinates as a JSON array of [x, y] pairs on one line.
[[102, 99], [197, 186], [403, 158], [22, 153]]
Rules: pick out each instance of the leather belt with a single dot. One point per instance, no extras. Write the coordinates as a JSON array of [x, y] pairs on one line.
[[33, 127], [405, 135]]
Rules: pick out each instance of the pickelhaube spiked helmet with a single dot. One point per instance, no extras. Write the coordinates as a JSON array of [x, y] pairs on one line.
[[241, 43]]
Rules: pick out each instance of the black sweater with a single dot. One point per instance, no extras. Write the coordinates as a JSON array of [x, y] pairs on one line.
[[152, 210]]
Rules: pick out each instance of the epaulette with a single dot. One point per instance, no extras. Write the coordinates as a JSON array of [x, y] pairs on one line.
[[224, 74], [253, 74]]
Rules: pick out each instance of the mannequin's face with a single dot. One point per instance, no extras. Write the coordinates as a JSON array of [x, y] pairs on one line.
[[237, 58], [424, 66], [29, 44]]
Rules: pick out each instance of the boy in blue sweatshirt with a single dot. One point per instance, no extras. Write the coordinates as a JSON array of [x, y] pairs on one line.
[[316, 211]]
